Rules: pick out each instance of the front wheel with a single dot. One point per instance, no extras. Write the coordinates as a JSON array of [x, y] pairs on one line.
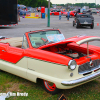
[[50, 87], [70, 16], [73, 24]]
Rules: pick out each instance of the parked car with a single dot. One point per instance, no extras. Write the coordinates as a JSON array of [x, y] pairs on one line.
[[93, 10], [84, 20], [72, 13], [23, 12], [87, 12], [64, 13], [55, 12], [45, 54], [97, 11]]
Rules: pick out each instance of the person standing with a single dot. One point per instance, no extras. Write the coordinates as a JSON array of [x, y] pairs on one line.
[[68, 15], [18, 14], [75, 14], [59, 15]]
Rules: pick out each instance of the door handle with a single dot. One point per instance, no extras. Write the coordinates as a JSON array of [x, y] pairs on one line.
[[3, 51]]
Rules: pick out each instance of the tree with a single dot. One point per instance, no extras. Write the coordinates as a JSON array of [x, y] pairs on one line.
[[34, 3]]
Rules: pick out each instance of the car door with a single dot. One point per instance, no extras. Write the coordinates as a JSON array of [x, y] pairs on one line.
[[3, 50], [14, 61]]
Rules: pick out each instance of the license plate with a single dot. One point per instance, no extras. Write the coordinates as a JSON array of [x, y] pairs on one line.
[[85, 22]]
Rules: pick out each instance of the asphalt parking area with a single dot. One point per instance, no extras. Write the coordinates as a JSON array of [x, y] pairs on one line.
[[66, 27]]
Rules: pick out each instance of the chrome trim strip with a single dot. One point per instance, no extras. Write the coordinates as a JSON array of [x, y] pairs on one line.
[[95, 68], [86, 23], [81, 80], [85, 68]]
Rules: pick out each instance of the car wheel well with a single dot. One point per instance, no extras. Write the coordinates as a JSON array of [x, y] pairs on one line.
[[38, 80], [44, 83]]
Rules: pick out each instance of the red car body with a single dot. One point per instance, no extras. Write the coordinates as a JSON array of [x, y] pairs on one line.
[[55, 12], [72, 13], [37, 55]]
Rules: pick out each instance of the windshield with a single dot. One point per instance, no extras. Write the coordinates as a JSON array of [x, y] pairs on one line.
[[83, 16], [40, 38]]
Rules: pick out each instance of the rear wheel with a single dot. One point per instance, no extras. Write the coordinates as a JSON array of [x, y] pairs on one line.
[[92, 26], [73, 23], [50, 87], [77, 24]]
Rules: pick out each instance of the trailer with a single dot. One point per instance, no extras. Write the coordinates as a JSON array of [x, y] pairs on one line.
[[8, 13]]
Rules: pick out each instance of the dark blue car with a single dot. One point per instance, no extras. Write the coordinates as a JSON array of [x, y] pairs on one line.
[[22, 12]]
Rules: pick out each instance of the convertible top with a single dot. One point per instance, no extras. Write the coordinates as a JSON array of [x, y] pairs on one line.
[[15, 41]]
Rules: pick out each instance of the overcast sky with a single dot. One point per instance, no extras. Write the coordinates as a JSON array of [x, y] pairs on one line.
[[74, 1]]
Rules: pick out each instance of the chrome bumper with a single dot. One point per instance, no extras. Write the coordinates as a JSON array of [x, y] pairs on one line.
[[80, 80]]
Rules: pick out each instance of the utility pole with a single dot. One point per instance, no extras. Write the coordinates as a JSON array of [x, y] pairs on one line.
[[67, 6], [48, 14], [95, 3]]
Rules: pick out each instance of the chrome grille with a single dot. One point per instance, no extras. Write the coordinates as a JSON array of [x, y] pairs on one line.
[[85, 68]]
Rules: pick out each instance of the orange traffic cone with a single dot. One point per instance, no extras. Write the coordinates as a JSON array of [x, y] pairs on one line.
[[97, 24], [37, 15], [27, 14]]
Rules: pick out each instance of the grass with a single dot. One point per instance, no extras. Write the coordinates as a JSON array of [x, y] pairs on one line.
[[12, 83]]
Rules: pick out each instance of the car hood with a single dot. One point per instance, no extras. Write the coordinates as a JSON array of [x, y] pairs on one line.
[[77, 39]]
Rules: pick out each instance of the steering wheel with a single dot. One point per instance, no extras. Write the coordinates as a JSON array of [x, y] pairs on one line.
[[44, 40]]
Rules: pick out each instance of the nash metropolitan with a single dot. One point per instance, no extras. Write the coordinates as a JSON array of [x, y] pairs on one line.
[[45, 54]]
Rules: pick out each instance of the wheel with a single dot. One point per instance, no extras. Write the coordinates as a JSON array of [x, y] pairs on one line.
[[92, 26], [73, 24], [52, 13], [50, 87], [77, 24], [70, 16]]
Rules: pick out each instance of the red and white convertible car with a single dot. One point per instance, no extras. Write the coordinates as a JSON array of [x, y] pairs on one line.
[[45, 54]]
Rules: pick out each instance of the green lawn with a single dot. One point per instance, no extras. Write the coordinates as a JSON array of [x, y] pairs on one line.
[[12, 83]]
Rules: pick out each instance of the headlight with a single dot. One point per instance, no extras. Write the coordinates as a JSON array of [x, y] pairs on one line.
[[72, 64]]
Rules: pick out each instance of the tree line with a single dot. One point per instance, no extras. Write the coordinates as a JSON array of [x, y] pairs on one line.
[[91, 5], [34, 3], [39, 3]]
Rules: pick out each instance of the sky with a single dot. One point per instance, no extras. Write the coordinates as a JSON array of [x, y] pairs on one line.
[[74, 1]]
